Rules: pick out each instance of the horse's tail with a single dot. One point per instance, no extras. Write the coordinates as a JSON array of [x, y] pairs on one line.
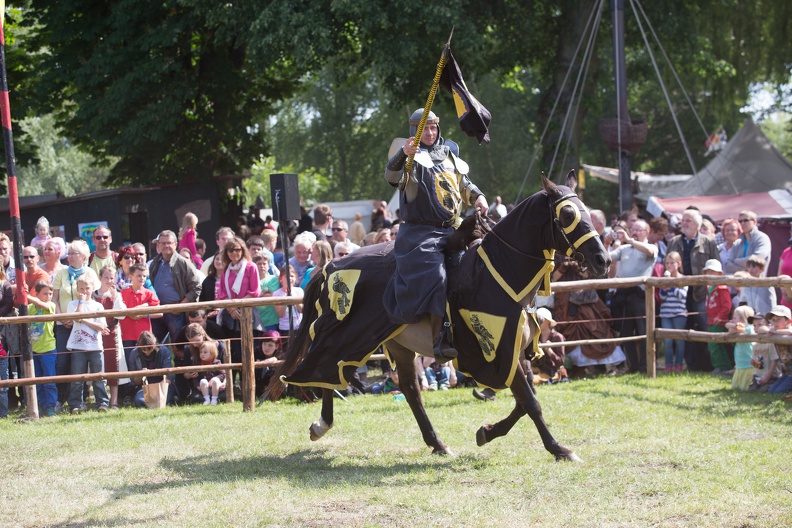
[[301, 341]]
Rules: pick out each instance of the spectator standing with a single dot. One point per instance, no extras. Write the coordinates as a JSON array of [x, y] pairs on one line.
[[357, 231], [673, 313], [223, 235], [64, 287], [85, 345], [785, 268], [42, 342], [301, 261], [270, 238], [731, 231], [33, 273], [760, 298], [52, 255], [268, 284], [102, 256], [283, 310], [3, 376], [175, 281], [7, 260], [133, 297], [696, 250], [42, 233], [341, 232], [127, 256], [550, 367], [187, 237], [636, 258], [764, 359], [754, 243], [239, 281], [321, 254], [107, 295], [718, 310], [323, 216]]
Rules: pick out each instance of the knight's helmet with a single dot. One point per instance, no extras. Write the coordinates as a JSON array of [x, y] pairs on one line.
[[415, 118]]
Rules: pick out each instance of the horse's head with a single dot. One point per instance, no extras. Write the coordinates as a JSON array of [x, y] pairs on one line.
[[573, 233]]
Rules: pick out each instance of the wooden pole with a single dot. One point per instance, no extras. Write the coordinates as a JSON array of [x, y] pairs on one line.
[[248, 371], [721, 337], [651, 351], [229, 372]]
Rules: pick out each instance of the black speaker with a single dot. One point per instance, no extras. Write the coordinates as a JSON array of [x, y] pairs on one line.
[[285, 196]]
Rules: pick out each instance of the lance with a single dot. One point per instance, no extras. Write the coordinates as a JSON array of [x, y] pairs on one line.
[[16, 227], [429, 101]]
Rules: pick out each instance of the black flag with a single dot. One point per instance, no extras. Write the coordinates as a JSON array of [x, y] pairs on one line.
[[473, 117]]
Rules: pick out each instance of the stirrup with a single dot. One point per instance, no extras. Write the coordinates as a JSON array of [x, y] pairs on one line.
[[444, 350]]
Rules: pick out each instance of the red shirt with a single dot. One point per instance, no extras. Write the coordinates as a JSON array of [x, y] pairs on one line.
[[718, 305], [32, 277], [131, 328]]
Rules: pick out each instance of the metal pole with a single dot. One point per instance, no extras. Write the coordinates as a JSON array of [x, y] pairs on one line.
[[622, 115], [16, 230]]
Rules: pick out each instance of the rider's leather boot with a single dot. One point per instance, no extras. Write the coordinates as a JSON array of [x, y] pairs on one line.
[[443, 349]]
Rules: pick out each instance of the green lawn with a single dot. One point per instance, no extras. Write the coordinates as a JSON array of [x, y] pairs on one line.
[[676, 451]]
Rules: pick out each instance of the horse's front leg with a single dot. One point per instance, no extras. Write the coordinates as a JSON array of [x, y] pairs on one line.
[[325, 421], [408, 383], [526, 399]]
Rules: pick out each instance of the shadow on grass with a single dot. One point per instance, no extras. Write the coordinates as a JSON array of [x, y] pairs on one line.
[[117, 521], [304, 468]]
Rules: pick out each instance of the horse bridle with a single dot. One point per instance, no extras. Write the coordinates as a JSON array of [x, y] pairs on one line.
[[573, 251], [555, 208]]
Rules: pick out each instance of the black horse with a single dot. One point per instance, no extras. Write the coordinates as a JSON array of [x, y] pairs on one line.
[[490, 292]]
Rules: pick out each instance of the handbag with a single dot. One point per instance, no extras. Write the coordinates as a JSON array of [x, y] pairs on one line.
[[155, 394]]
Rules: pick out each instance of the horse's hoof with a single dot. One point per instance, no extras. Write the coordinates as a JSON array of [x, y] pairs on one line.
[[442, 451], [570, 457], [318, 429], [481, 436]]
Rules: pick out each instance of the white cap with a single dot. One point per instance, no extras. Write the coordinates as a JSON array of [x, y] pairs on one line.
[[779, 310], [713, 265], [545, 315]]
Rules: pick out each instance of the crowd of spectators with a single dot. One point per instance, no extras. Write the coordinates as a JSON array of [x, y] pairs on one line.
[[63, 278]]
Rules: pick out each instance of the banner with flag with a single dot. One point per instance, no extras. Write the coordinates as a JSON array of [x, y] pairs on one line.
[[716, 141], [473, 117]]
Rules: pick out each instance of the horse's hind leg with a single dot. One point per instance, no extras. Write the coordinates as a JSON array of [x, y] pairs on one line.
[[408, 383], [325, 421], [489, 432], [526, 399]]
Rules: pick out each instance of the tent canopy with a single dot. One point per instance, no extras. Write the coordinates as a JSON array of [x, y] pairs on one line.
[[749, 163], [773, 204]]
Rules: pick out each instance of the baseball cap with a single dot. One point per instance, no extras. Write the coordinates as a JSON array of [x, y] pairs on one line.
[[713, 265], [779, 310], [545, 315]]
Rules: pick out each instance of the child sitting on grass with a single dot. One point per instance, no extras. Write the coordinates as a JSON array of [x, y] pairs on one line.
[[389, 386], [212, 380], [741, 324]]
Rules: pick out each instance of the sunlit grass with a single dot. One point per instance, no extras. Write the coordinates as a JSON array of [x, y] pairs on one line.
[[676, 451]]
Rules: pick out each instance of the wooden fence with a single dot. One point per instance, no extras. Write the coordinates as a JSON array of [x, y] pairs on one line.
[[248, 364]]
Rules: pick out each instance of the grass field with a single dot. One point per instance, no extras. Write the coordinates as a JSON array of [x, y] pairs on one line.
[[676, 451]]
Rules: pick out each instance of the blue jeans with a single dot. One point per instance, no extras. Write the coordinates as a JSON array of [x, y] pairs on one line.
[[4, 391], [440, 378], [782, 385], [674, 348], [62, 360], [44, 365], [168, 325], [81, 361]]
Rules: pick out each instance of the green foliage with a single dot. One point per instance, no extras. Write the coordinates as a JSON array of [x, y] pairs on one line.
[[312, 184], [778, 129], [59, 166]]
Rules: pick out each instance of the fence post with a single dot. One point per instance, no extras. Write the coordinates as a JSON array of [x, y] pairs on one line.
[[651, 355], [248, 370], [229, 372]]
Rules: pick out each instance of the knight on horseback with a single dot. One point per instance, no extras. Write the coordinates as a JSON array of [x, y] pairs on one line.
[[433, 197]]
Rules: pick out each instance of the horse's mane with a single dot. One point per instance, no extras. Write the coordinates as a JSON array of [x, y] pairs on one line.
[[300, 341]]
